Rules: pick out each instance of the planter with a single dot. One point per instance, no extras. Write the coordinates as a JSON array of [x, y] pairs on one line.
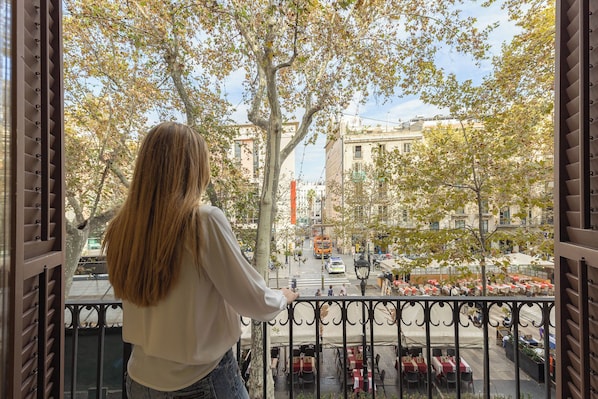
[[531, 367], [501, 332]]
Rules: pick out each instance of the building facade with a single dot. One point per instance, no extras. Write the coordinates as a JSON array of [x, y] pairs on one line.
[[309, 198], [354, 184], [248, 152]]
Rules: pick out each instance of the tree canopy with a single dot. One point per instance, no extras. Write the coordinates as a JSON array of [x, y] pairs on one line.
[[497, 157], [298, 60]]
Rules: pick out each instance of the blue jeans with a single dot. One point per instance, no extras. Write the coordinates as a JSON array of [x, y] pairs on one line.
[[224, 382]]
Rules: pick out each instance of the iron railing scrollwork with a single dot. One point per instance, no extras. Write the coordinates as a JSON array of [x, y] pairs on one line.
[[417, 323]]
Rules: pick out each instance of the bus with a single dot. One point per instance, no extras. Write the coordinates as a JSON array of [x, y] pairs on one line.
[[322, 247]]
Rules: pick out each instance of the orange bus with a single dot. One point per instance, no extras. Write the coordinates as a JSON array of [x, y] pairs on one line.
[[322, 246]]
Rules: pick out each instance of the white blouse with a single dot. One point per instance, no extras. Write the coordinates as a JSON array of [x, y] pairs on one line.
[[182, 338]]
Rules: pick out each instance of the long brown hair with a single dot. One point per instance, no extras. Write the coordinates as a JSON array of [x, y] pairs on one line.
[[160, 215]]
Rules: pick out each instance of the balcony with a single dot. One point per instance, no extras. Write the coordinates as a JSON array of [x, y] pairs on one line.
[[415, 358]]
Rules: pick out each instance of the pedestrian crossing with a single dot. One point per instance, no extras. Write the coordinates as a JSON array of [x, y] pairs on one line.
[[316, 282]]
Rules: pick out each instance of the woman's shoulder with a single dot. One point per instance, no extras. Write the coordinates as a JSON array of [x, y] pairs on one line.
[[207, 209], [211, 213]]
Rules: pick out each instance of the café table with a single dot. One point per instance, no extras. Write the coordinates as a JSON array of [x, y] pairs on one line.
[[358, 380], [410, 363], [296, 364], [303, 363], [447, 364], [354, 358], [308, 364]]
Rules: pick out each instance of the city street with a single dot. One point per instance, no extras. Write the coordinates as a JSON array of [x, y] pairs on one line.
[[309, 274]]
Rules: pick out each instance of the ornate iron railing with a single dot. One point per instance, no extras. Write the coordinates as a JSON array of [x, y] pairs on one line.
[[95, 355]]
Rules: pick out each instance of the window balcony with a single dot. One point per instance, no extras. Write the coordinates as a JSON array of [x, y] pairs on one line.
[[358, 176], [318, 347]]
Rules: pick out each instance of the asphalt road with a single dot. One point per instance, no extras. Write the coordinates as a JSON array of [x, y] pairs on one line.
[[310, 273]]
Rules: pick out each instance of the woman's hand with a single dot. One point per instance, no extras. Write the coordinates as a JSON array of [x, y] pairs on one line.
[[290, 295]]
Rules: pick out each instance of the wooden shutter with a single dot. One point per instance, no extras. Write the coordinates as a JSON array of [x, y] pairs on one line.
[[37, 208], [576, 196]]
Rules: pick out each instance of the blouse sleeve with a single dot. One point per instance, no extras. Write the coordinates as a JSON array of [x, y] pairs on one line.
[[241, 286]]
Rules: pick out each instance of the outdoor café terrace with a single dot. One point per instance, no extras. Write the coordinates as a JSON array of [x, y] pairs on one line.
[[416, 346]]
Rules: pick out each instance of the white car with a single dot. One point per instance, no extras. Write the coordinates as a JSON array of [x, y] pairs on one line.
[[335, 265]]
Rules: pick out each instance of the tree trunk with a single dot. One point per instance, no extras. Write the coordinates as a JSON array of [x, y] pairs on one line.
[[76, 239], [256, 379]]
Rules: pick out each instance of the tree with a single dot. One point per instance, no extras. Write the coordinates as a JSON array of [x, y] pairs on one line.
[[499, 154], [460, 170], [124, 65], [104, 113], [300, 59], [307, 58], [366, 208]]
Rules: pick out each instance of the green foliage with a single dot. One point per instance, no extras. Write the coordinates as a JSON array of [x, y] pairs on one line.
[[498, 155]]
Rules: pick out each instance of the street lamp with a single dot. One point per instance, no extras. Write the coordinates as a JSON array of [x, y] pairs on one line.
[[362, 272], [322, 198]]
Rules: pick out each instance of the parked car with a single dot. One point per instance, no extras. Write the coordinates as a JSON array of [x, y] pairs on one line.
[[335, 265]]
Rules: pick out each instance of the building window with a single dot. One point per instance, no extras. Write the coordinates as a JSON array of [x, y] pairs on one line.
[[527, 220], [358, 173], [459, 224], [359, 214], [405, 216], [485, 226], [435, 226], [506, 246], [382, 188], [357, 154], [484, 205], [359, 189], [383, 213], [406, 147], [505, 216], [238, 152], [548, 216]]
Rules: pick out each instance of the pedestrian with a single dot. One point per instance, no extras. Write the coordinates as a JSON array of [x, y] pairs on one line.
[[343, 290], [318, 292], [330, 291], [166, 254]]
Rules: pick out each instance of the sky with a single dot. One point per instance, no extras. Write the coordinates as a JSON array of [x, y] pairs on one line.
[[310, 159]]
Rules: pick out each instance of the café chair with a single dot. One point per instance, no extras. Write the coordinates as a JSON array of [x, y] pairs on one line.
[[412, 377], [415, 351], [450, 379], [436, 352], [468, 378], [424, 378], [379, 380], [308, 377], [295, 378]]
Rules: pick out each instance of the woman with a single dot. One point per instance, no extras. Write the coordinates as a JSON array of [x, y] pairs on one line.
[[181, 275]]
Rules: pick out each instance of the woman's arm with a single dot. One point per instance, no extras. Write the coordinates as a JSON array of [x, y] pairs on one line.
[[235, 279]]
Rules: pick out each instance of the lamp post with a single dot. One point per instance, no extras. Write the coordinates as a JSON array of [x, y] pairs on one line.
[[322, 198], [362, 272]]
